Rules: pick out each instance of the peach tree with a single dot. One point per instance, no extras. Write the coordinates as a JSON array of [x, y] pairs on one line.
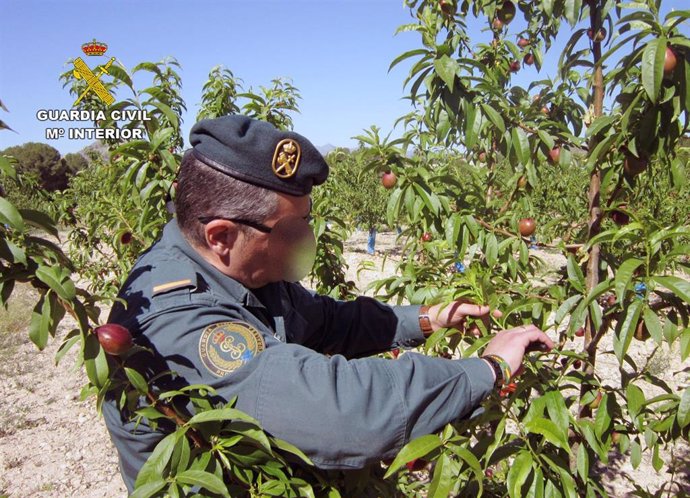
[[615, 110], [113, 210]]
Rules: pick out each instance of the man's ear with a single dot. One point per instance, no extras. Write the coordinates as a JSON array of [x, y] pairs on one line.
[[220, 236]]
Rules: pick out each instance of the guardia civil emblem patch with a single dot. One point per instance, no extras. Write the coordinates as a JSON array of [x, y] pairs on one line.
[[226, 346]]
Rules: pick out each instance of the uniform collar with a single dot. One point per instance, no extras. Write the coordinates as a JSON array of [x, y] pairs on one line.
[[173, 238]]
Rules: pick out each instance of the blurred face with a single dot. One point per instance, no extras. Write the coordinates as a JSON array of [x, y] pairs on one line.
[[280, 248]]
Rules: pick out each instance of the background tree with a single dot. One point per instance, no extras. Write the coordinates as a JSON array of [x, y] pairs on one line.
[[43, 162]]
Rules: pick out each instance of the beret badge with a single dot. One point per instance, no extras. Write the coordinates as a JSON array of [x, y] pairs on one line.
[[286, 158]]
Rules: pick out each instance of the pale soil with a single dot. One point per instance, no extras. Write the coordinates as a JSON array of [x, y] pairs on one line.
[[54, 445]]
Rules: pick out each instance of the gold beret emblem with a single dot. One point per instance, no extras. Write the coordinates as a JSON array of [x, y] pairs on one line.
[[286, 158]]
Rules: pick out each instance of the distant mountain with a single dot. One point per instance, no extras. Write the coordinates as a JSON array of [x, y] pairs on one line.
[[325, 149], [97, 148]]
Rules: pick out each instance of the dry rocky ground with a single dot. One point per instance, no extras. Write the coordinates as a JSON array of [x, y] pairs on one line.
[[52, 444]]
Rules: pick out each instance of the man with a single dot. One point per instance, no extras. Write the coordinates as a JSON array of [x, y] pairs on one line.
[[215, 299]]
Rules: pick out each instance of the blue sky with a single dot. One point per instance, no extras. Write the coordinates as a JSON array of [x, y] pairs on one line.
[[336, 52]]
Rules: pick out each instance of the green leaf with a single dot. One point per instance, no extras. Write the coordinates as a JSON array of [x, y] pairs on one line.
[[151, 488], [558, 412], [583, 462], [657, 462], [51, 276], [491, 250], [599, 124], [40, 220], [587, 429], [602, 421], [161, 137], [683, 415], [653, 324], [471, 460], [168, 112], [635, 399], [204, 479], [120, 73], [626, 329], [12, 252], [6, 289], [222, 414], [427, 198], [517, 475], [600, 150], [154, 467], [653, 67], [70, 340], [95, 361], [548, 429], [441, 482], [677, 285], [546, 139], [494, 117], [571, 11], [624, 275], [521, 145], [289, 448], [446, 68], [393, 206], [575, 275], [7, 168], [416, 448], [39, 327], [407, 55], [565, 308], [137, 380], [567, 482], [10, 216], [635, 454], [473, 123]]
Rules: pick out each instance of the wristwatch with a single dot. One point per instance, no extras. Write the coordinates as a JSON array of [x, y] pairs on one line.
[[425, 321]]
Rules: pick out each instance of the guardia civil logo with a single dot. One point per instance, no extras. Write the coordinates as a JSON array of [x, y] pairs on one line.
[[93, 78], [226, 346], [81, 70]]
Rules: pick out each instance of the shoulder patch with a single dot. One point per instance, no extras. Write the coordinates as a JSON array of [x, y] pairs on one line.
[[226, 346], [169, 286]]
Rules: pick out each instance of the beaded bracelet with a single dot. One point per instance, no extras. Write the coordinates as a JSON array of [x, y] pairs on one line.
[[501, 367]]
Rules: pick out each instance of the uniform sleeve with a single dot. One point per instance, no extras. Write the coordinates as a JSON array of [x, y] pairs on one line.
[[350, 413], [355, 328], [342, 413]]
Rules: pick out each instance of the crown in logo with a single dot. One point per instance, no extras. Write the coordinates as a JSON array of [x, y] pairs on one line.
[[289, 147], [94, 47]]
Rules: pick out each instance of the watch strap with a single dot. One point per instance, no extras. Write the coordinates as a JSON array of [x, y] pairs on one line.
[[425, 321]]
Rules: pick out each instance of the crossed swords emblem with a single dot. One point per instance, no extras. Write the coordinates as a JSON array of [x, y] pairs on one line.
[[81, 70]]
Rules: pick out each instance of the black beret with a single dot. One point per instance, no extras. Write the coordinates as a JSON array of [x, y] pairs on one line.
[[257, 152]]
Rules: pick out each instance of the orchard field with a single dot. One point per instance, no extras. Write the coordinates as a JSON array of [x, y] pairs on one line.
[[565, 204]]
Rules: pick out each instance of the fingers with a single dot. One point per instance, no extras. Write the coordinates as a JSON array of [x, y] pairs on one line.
[[531, 334], [474, 310]]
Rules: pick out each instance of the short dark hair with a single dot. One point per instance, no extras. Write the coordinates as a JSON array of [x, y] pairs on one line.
[[204, 191]]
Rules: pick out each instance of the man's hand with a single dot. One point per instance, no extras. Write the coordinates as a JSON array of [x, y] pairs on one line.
[[511, 344], [452, 315]]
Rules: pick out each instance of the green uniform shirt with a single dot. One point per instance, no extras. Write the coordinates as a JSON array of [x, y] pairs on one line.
[[296, 361]]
